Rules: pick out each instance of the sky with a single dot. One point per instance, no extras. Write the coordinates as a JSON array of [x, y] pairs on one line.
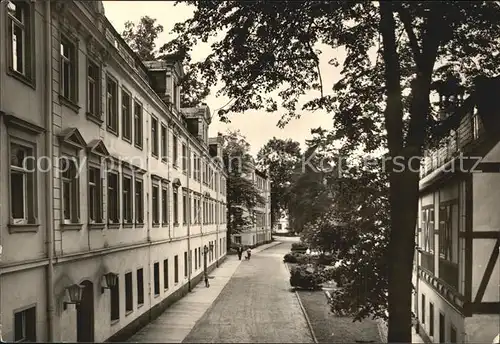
[[257, 126]]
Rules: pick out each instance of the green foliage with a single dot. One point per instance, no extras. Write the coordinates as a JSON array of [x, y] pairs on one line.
[[296, 257], [290, 258], [298, 247], [309, 195], [305, 277], [281, 158], [355, 233], [394, 52], [141, 37], [242, 195]]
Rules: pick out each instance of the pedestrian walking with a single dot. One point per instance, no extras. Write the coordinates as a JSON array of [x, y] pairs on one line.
[[249, 253], [207, 284], [240, 252]]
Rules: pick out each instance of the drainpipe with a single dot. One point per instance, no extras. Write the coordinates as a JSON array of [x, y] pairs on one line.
[[2, 87], [188, 213], [49, 176], [217, 186], [147, 211]]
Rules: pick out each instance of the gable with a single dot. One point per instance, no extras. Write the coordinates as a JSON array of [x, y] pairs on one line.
[[97, 147], [72, 137]]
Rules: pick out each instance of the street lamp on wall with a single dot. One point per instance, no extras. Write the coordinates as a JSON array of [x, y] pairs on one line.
[[111, 280], [75, 293], [205, 249]]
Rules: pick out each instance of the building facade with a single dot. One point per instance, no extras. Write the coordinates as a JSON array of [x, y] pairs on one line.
[[112, 200], [457, 270], [281, 226], [260, 232]]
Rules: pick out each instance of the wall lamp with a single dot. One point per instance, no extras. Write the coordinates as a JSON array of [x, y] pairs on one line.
[[75, 292], [111, 281]]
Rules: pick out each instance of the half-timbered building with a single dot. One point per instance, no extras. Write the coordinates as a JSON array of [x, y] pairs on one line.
[[457, 270]]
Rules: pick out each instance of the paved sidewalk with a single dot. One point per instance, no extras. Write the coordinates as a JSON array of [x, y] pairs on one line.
[[180, 318]]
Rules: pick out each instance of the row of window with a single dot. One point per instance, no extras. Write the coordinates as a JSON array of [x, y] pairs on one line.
[[193, 263], [261, 183], [25, 319], [448, 241], [129, 114], [202, 209], [442, 324], [261, 220], [125, 194]]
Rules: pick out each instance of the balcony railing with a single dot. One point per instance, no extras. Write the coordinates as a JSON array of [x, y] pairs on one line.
[[111, 36], [469, 129], [448, 272], [427, 261]]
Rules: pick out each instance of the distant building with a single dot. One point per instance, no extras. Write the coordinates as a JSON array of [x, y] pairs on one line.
[[457, 270], [260, 231], [282, 226], [127, 195]]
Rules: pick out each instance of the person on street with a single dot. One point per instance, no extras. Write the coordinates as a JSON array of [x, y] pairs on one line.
[[207, 284], [240, 252], [249, 253]]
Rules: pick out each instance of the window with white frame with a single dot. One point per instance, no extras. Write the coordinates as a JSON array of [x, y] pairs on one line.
[[154, 136], [127, 199], [20, 41], [138, 125], [126, 115], [155, 199], [476, 124], [176, 204], [139, 201], [22, 184], [113, 198], [195, 165], [175, 150], [184, 158], [70, 189], [95, 194], [69, 68], [164, 143], [111, 105], [184, 208], [25, 325], [164, 204], [93, 89]]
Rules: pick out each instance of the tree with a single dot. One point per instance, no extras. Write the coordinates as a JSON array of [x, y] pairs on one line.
[[353, 227], [308, 195], [242, 194], [381, 101], [281, 158], [141, 37]]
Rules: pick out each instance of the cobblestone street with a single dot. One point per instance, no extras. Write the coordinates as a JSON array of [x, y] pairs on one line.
[[255, 306]]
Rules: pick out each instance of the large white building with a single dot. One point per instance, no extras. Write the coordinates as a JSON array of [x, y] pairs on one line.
[[260, 232], [110, 195], [457, 270]]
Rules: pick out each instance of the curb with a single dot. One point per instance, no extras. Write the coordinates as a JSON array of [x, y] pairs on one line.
[[308, 321]]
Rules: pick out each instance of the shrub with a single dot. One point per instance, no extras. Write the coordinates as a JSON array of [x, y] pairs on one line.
[[290, 258], [324, 259], [299, 247], [302, 277], [232, 251]]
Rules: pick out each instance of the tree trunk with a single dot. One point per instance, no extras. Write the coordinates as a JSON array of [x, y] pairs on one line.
[[404, 208]]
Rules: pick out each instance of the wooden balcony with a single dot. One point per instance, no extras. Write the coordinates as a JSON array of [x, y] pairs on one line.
[[469, 130]]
